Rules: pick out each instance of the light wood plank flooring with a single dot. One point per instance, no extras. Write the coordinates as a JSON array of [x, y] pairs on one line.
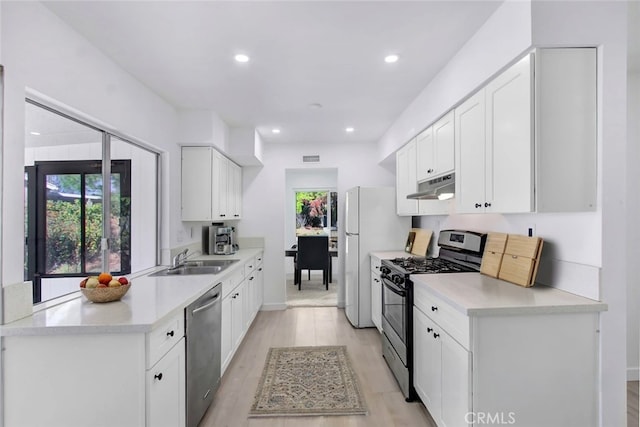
[[305, 327]]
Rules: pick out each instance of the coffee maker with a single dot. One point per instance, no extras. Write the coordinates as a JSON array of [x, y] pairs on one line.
[[209, 233], [225, 241]]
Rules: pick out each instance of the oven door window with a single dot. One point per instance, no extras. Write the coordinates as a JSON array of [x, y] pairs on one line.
[[393, 308]]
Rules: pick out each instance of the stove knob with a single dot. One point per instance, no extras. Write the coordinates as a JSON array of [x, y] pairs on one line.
[[398, 280]]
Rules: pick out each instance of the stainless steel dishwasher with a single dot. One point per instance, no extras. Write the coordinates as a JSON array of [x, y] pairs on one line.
[[203, 328]]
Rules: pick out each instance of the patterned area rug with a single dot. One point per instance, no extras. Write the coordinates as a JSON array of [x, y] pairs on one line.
[[302, 381]]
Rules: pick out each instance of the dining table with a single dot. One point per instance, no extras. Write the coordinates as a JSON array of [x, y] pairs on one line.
[[293, 252]]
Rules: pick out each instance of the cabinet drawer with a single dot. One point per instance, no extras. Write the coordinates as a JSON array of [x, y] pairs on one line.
[[375, 264], [160, 340], [249, 266], [448, 318]]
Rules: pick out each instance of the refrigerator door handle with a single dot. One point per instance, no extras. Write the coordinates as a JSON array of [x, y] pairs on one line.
[[351, 234]]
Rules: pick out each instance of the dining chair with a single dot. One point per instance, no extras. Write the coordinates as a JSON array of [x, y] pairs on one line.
[[313, 254]]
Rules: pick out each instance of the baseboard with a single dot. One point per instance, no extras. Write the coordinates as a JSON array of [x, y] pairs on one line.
[[273, 307], [633, 374]]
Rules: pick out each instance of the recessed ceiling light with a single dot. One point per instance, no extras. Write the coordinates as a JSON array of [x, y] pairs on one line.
[[315, 106], [241, 58], [390, 59], [275, 130], [349, 129], [34, 133]]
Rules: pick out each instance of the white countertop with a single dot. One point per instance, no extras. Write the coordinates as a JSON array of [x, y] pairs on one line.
[[150, 300], [475, 294]]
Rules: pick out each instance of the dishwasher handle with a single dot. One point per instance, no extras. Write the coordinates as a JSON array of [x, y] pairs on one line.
[[213, 300]]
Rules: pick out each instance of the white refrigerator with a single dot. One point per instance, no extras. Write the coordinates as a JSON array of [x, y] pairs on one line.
[[371, 225]]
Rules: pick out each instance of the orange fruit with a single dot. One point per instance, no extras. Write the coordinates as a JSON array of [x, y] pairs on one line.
[[104, 278]]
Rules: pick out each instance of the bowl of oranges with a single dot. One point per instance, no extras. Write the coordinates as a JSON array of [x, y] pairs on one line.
[[104, 287]]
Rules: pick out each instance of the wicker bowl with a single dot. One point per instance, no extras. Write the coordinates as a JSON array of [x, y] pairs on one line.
[[105, 294]]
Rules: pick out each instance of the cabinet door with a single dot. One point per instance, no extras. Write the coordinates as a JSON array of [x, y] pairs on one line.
[[406, 181], [470, 154], [427, 374], [235, 191], [456, 382], [443, 145], [238, 314], [196, 183], [425, 167], [259, 295], [509, 152], [220, 186], [166, 390], [376, 301], [226, 345]]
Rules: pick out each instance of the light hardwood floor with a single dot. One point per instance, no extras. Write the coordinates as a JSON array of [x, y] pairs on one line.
[[310, 326]]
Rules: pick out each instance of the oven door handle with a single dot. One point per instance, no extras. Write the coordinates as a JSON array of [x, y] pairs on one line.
[[394, 288]]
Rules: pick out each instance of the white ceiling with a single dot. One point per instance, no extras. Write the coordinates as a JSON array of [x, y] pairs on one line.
[[302, 53]]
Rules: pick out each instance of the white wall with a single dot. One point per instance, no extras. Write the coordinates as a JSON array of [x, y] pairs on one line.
[[264, 200], [42, 54]]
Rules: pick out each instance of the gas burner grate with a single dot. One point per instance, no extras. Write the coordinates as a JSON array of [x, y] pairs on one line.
[[429, 265]]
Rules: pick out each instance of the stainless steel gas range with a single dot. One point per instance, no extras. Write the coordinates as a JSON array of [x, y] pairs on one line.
[[460, 252]]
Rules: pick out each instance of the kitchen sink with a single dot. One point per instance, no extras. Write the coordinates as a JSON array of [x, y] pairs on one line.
[[209, 266]]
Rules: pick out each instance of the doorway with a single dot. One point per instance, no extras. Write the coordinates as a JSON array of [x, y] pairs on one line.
[[312, 206]]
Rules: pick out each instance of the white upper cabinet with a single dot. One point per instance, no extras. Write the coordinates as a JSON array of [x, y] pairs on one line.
[[197, 183], [526, 142], [425, 152], [406, 182], [211, 186], [494, 143], [435, 149]]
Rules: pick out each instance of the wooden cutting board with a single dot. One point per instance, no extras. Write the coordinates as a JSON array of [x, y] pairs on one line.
[[521, 260], [421, 241], [493, 253]]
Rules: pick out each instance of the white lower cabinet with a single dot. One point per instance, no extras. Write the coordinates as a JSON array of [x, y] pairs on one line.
[[100, 380], [442, 372], [242, 297], [166, 389], [518, 368], [376, 293], [233, 324]]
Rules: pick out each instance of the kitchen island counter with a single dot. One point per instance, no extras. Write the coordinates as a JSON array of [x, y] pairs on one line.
[[475, 294], [150, 300]]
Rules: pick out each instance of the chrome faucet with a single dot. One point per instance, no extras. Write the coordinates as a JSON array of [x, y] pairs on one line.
[[179, 259]]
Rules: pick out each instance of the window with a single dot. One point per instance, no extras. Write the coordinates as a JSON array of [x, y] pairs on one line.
[[317, 213], [66, 203]]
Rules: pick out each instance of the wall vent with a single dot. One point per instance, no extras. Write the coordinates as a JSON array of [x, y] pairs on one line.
[[311, 159]]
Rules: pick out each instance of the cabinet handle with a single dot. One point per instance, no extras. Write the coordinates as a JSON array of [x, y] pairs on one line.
[[251, 266], [478, 205], [170, 334], [376, 280], [434, 308], [251, 278], [236, 215], [436, 335], [429, 330], [223, 215], [260, 269], [487, 204], [158, 376]]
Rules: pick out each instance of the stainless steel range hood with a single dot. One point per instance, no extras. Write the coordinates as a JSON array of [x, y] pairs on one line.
[[440, 188]]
